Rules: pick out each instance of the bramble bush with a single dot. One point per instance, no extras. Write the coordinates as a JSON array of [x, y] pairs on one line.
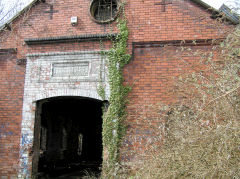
[[202, 133]]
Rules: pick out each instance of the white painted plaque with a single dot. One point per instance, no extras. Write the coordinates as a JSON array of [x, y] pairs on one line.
[[70, 69]]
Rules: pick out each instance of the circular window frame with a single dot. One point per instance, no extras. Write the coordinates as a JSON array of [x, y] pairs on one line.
[[91, 12]]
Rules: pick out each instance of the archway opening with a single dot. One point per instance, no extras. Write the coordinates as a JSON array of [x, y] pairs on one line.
[[68, 137]]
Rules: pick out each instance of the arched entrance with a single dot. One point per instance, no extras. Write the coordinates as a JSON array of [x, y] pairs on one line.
[[67, 136], [53, 82]]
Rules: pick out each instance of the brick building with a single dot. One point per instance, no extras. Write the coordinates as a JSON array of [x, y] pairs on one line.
[[50, 61]]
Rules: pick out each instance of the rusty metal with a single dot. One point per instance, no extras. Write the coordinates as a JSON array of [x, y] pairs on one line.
[[103, 11]]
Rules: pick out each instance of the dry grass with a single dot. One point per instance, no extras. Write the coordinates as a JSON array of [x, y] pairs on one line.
[[201, 134], [195, 149]]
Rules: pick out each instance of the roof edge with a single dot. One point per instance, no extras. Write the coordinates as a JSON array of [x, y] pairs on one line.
[[6, 25], [215, 11]]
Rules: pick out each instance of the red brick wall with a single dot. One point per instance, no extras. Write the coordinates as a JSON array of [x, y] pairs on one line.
[[182, 20], [149, 72], [37, 24], [11, 96]]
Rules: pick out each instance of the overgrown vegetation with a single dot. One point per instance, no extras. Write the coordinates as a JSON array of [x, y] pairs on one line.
[[114, 116], [202, 133]]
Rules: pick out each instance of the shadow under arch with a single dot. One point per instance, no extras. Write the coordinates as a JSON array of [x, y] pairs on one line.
[[67, 136], [50, 94], [55, 98]]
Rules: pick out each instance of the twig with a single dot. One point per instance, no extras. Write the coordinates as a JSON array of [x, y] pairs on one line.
[[213, 100]]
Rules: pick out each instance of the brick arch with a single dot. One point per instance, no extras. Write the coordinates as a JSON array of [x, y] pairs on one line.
[[68, 92], [29, 117], [42, 82]]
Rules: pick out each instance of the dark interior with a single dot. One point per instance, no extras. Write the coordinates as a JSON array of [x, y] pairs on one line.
[[71, 136]]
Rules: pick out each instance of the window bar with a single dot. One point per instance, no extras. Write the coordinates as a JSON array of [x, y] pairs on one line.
[[111, 9], [99, 8]]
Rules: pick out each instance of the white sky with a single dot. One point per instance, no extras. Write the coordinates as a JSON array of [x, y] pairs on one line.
[[10, 8], [215, 3]]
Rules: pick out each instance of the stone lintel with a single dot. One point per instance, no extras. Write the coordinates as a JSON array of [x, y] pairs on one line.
[[69, 39], [65, 53]]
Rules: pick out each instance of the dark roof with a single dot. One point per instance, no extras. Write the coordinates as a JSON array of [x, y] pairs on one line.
[[224, 10], [229, 14]]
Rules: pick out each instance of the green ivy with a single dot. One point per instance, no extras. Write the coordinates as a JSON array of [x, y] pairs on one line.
[[115, 115]]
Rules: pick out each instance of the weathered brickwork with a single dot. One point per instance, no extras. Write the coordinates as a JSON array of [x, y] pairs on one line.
[[11, 97], [182, 20], [150, 70], [52, 75], [152, 73]]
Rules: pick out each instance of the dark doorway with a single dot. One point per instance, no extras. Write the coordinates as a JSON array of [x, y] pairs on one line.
[[68, 137]]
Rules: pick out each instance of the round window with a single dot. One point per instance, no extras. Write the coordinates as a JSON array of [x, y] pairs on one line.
[[103, 11]]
